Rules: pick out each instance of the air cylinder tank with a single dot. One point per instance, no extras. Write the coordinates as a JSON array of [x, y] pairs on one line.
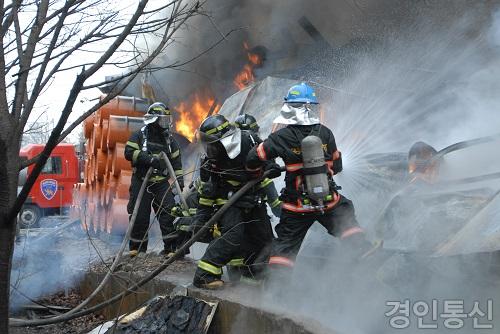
[[315, 171]]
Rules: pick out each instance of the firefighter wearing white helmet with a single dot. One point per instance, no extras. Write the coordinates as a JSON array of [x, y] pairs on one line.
[[311, 159], [143, 150]]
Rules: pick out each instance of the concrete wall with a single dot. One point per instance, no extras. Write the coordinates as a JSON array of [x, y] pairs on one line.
[[231, 316]]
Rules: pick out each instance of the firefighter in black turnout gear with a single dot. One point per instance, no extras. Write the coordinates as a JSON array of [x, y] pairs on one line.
[[243, 234], [249, 123], [301, 204], [143, 150]]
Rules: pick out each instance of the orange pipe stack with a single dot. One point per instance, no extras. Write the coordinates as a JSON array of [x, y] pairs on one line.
[[101, 200]]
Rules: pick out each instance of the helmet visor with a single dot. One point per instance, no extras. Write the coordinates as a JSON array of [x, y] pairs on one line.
[[307, 106], [150, 119], [230, 141], [165, 121]]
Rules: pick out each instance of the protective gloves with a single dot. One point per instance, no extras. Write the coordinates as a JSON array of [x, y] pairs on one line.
[[181, 185], [274, 170], [158, 163]]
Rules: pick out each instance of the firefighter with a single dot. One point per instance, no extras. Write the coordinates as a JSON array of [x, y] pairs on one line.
[[422, 166], [222, 173], [249, 123], [143, 150], [301, 205]]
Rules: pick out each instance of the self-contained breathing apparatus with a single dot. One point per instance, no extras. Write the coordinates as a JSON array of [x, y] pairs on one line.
[[318, 183], [147, 146]]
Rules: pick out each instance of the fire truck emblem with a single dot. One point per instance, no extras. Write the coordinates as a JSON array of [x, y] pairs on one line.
[[48, 188]]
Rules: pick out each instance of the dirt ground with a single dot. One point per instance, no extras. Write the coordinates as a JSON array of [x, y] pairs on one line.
[[75, 326], [49, 266]]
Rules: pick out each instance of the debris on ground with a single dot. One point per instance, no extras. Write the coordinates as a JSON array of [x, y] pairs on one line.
[[144, 262], [53, 305], [169, 314]]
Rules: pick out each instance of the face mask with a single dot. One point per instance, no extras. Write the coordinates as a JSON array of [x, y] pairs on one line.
[[232, 144], [299, 115], [164, 122]]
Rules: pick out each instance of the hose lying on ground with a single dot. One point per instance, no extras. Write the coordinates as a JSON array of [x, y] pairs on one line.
[[63, 317], [153, 274], [128, 233]]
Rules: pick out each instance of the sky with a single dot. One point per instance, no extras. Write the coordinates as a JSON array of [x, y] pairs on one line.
[[53, 99]]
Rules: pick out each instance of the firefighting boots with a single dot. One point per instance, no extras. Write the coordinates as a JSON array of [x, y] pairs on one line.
[[208, 282], [133, 253]]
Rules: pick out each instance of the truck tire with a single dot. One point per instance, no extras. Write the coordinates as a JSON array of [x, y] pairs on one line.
[[29, 217]]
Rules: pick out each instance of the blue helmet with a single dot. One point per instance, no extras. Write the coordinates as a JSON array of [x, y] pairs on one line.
[[301, 93]]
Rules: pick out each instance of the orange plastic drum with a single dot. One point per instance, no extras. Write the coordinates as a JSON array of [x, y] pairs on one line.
[[111, 191], [104, 136], [97, 136], [123, 106], [120, 128], [88, 216], [119, 162], [86, 171], [102, 159], [122, 189], [88, 126], [119, 217], [102, 198]]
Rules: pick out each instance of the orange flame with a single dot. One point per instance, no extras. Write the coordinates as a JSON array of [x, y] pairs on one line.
[[254, 59], [245, 77], [192, 112]]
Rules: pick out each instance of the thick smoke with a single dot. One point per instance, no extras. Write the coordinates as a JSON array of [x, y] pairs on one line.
[[389, 73], [50, 260], [429, 73]]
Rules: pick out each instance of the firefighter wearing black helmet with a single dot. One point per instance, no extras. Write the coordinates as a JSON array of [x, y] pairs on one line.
[[223, 173], [143, 150], [301, 205], [249, 123]]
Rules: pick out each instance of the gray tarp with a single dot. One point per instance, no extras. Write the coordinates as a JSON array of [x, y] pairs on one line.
[[262, 100]]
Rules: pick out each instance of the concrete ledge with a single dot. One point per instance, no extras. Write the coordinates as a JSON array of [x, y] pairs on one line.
[[240, 308]]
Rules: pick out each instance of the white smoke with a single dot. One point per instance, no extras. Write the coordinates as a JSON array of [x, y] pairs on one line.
[[45, 262], [434, 80]]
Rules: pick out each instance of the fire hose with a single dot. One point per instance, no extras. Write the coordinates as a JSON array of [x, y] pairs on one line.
[[439, 155], [73, 314], [461, 145], [171, 172], [129, 231]]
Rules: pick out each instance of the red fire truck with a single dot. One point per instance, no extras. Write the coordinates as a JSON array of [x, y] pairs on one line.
[[53, 189]]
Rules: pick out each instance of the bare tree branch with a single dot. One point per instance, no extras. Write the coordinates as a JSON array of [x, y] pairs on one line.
[[26, 59], [39, 80], [43, 37]]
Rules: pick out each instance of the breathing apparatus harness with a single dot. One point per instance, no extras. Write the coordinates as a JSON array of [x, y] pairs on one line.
[[144, 131], [318, 184]]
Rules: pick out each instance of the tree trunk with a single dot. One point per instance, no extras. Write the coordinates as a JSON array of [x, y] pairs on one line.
[[6, 250], [9, 165]]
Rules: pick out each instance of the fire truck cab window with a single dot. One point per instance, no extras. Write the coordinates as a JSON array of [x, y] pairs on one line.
[[53, 166]]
